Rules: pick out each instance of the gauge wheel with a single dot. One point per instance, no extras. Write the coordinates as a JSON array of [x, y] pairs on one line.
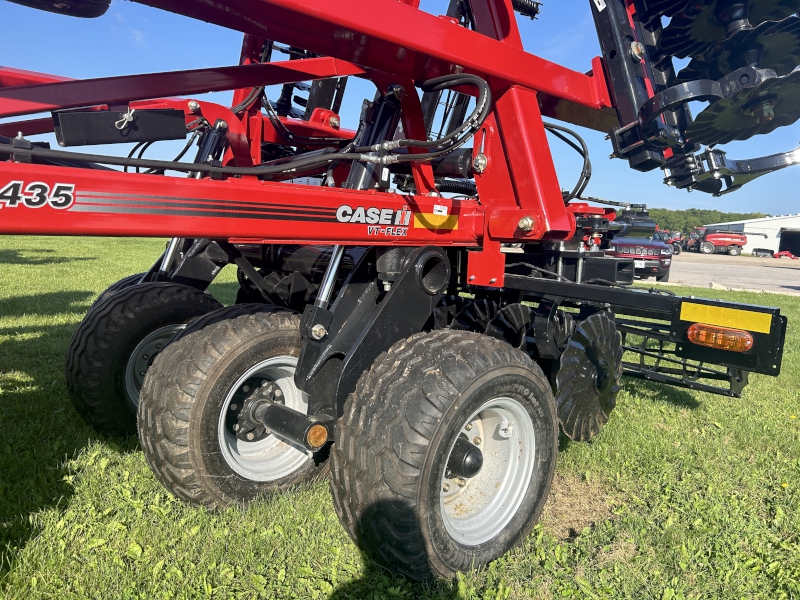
[[194, 400], [707, 248], [117, 341], [445, 454]]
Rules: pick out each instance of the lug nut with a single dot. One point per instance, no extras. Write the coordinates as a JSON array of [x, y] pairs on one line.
[[477, 441], [446, 487], [461, 482], [318, 332], [468, 426], [250, 437]]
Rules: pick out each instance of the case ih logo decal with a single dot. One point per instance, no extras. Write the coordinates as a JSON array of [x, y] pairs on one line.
[[383, 221], [37, 195]]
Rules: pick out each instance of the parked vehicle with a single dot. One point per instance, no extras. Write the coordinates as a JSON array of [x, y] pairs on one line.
[[708, 240], [652, 255], [674, 239]]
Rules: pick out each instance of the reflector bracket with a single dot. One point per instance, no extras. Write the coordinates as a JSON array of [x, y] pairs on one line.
[[726, 317]]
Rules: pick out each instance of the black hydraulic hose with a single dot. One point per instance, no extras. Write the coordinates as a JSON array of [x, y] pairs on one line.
[[265, 169], [529, 8], [451, 141], [583, 150], [455, 186]]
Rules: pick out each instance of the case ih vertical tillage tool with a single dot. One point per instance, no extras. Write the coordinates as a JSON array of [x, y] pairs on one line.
[[420, 314]]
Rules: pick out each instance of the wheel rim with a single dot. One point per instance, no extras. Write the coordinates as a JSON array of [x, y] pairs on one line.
[[142, 357], [476, 510], [268, 458]]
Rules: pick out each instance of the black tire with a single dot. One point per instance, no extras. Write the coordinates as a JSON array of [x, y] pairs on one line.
[[676, 249], [87, 9], [395, 438], [100, 354], [664, 278], [194, 382], [122, 284], [734, 250], [707, 248]]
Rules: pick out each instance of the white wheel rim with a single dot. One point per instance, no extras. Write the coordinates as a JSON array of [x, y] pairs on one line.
[[476, 510], [267, 459]]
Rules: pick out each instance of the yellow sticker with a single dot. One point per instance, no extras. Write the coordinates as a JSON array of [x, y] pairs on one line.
[[735, 318], [435, 222]]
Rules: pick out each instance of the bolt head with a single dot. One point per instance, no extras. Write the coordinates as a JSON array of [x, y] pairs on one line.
[[234, 406], [480, 163], [245, 388], [468, 426], [461, 482], [446, 487], [194, 106], [335, 122], [318, 331], [250, 437], [764, 113], [477, 441], [278, 393], [145, 356], [638, 51], [236, 427], [527, 223], [142, 373], [159, 346]]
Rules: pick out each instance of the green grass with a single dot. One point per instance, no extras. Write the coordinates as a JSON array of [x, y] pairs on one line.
[[697, 495]]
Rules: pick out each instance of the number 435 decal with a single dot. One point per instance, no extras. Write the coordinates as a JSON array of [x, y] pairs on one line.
[[37, 194]]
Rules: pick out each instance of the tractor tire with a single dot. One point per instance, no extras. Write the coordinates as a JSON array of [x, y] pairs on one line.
[[192, 397], [391, 479], [87, 9], [676, 249], [708, 248], [106, 356], [663, 278], [734, 250], [122, 284]]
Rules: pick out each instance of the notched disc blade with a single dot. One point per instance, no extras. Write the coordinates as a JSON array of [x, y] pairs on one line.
[[514, 324], [692, 30], [475, 316], [588, 379], [732, 119], [771, 45]]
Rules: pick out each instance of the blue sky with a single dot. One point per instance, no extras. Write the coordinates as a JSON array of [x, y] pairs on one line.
[[133, 38]]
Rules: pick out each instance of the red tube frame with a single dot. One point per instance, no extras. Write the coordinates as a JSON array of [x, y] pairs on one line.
[[519, 181]]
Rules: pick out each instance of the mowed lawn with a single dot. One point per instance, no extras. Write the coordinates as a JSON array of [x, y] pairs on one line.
[[683, 495]]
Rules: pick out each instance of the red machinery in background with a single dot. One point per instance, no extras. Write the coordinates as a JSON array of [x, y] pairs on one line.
[[424, 306]]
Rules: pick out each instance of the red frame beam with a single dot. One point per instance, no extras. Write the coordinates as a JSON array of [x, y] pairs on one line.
[[31, 99]]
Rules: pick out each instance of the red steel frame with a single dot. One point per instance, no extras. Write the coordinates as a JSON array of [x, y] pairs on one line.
[[385, 41]]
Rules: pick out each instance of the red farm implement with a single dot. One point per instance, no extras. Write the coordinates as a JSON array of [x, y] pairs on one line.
[[421, 305]]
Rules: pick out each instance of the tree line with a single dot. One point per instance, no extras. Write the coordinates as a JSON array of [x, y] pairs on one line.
[[686, 220]]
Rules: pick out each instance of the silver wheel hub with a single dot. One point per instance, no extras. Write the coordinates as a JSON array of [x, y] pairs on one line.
[[142, 357], [477, 509], [264, 457]]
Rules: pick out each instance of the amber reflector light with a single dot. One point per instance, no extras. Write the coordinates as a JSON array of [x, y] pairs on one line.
[[721, 338], [317, 436]]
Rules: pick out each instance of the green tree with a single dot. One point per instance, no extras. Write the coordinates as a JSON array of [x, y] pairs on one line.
[[686, 220]]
